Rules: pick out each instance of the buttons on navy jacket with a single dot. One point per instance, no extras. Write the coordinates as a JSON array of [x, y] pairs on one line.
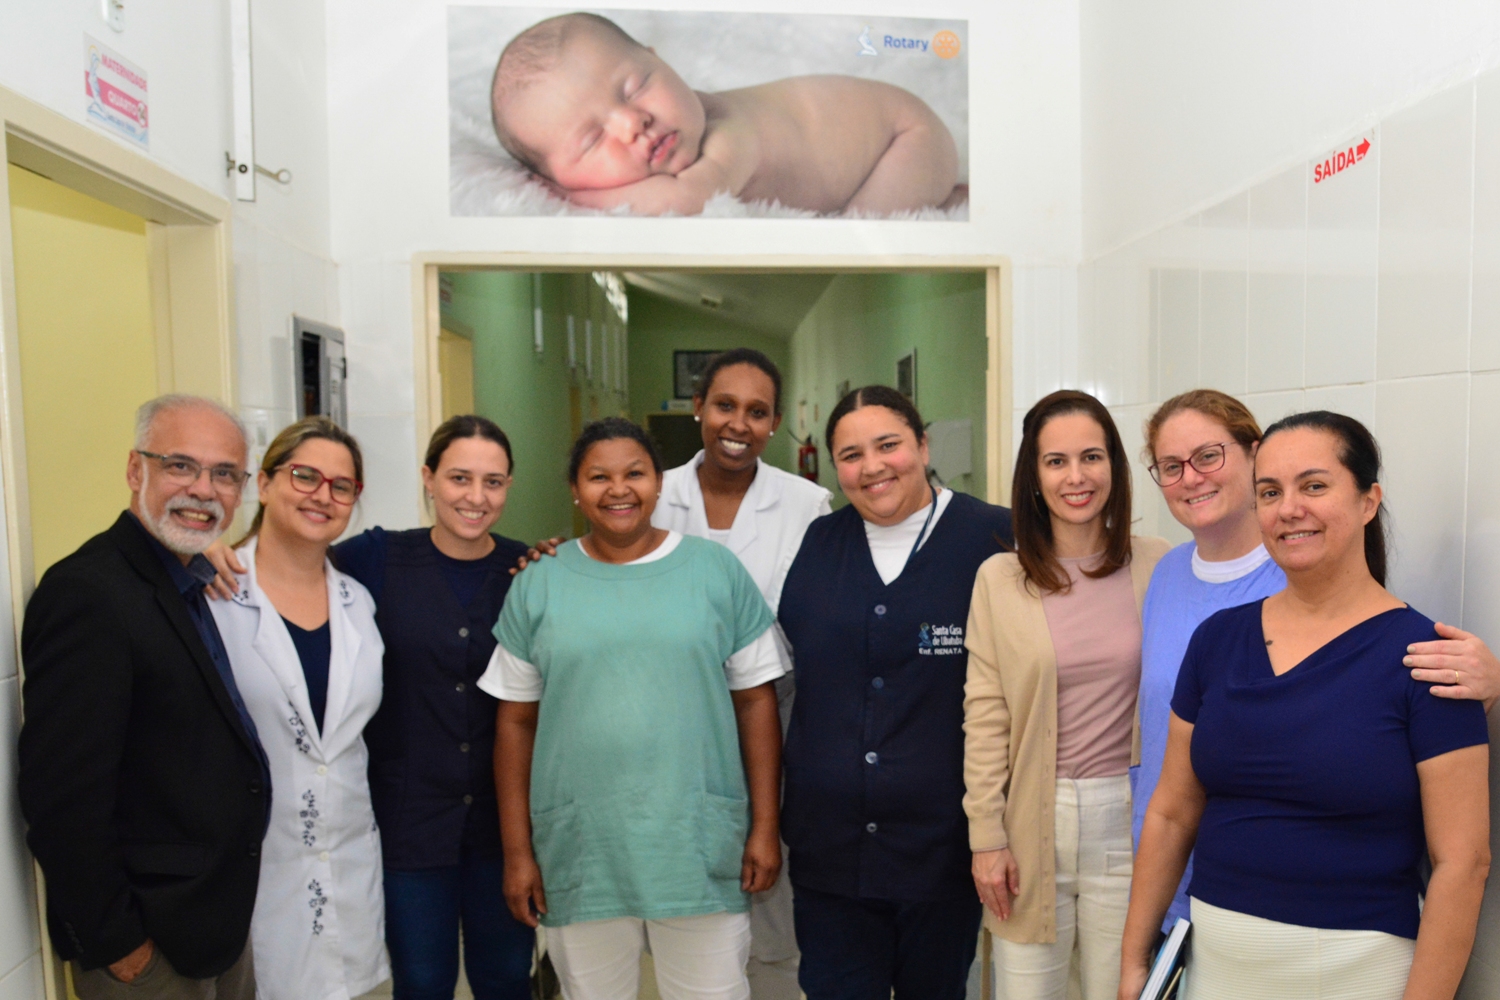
[[431, 777], [872, 804]]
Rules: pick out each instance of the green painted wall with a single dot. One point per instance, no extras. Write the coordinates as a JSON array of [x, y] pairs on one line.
[[529, 394], [659, 326], [863, 323]]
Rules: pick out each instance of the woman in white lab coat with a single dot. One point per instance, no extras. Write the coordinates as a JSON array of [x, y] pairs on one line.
[[307, 659], [727, 494]]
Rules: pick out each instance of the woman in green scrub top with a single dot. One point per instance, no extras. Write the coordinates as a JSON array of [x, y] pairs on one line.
[[638, 748]]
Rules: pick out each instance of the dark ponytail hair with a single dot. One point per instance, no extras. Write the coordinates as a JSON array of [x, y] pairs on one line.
[[610, 429], [739, 356], [458, 428], [875, 395], [1360, 454]]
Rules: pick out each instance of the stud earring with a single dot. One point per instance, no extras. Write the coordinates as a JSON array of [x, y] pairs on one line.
[[697, 419]]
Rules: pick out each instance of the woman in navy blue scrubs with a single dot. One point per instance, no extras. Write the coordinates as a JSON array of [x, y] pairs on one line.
[[874, 608], [438, 592]]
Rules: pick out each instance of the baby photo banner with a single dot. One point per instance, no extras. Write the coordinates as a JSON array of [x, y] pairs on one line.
[[679, 113]]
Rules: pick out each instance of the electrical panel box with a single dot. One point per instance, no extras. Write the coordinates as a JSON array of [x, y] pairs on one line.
[[318, 356]]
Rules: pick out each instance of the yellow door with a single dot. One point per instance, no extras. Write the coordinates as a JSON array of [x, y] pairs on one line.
[[88, 356], [456, 373]]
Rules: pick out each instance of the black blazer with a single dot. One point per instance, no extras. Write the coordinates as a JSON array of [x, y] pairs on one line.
[[143, 791]]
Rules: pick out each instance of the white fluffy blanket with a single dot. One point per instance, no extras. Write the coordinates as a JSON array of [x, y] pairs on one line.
[[711, 52]]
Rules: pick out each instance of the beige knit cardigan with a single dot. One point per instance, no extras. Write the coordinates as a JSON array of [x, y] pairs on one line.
[[1010, 732]]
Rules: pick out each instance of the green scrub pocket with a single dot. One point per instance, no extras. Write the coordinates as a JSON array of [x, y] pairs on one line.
[[557, 839], [726, 824]]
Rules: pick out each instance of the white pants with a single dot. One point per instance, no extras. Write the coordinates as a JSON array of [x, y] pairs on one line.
[[696, 958], [1093, 893], [1235, 956]]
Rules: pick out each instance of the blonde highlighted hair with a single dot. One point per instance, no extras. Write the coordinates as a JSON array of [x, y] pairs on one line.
[[285, 445]]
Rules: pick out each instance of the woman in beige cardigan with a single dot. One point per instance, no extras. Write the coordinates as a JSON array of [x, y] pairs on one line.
[[1054, 644]]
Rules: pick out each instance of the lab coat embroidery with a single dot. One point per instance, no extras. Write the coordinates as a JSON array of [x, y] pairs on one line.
[[316, 904], [299, 730], [309, 818]]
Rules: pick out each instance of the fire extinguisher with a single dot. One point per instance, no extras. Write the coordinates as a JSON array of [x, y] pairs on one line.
[[807, 459]]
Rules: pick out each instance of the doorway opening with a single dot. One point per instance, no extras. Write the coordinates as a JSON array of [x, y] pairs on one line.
[[544, 351], [114, 287]]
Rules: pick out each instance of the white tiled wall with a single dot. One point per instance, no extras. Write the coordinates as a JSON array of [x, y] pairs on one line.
[[377, 319], [274, 279], [1374, 292]]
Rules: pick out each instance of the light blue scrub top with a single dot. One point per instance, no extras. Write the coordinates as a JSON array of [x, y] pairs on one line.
[[638, 798], [1177, 602]]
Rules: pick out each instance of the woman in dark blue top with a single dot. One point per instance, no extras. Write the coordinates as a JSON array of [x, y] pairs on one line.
[[438, 592], [874, 608], [1315, 773]]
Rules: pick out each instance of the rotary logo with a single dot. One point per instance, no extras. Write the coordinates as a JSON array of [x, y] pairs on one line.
[[945, 44]]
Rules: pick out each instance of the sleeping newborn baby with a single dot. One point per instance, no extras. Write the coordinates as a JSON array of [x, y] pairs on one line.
[[606, 123]]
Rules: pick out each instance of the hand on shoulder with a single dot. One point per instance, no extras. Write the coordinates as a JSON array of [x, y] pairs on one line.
[[1458, 663]]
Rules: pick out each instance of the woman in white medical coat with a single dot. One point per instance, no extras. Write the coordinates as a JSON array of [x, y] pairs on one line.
[[307, 659], [727, 494]]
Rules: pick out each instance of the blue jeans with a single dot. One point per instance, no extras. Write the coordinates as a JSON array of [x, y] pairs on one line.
[[862, 949], [423, 910]]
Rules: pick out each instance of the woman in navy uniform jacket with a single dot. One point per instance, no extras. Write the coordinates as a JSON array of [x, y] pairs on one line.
[[438, 592], [874, 608]]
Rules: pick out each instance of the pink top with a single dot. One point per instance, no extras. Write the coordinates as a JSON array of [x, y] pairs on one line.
[[1096, 633]]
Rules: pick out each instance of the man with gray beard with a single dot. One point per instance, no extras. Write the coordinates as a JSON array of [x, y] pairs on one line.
[[142, 777]]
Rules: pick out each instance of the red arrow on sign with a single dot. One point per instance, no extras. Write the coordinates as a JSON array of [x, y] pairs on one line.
[[1340, 161]]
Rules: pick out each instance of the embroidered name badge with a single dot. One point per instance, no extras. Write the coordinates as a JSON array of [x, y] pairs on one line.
[[940, 640]]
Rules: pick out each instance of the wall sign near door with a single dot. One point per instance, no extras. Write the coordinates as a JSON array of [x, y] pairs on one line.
[[1340, 160], [115, 90]]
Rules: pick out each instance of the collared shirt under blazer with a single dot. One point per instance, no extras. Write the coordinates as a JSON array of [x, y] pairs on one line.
[[1010, 733], [319, 925]]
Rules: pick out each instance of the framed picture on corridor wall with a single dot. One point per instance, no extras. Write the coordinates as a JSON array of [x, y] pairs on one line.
[[686, 367]]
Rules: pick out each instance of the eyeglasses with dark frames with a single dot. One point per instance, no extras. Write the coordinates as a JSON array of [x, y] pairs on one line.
[[307, 479], [1206, 459], [183, 471]]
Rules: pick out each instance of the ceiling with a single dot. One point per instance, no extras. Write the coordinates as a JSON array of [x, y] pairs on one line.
[[772, 304]]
